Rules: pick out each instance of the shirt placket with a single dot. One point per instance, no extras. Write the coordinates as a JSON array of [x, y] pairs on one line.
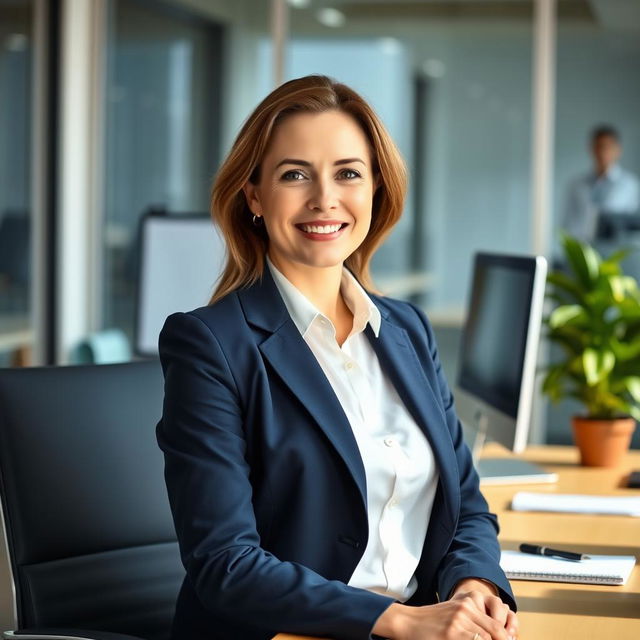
[[391, 521]]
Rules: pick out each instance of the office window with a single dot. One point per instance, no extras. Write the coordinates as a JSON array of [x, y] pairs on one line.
[[452, 83], [162, 127], [598, 66], [16, 56]]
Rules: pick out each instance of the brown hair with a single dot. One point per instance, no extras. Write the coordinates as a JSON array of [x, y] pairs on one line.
[[247, 244]]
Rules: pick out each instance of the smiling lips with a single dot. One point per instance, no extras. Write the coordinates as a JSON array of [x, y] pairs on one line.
[[325, 230]]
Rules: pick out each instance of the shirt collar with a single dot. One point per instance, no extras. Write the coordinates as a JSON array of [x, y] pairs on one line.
[[303, 312], [612, 173]]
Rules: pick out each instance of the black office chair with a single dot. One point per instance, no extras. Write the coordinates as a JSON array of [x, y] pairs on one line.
[[89, 533]]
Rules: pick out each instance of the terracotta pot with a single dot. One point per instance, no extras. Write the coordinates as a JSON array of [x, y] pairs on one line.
[[602, 443]]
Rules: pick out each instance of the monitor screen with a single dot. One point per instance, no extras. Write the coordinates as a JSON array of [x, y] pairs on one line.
[[495, 334], [500, 342]]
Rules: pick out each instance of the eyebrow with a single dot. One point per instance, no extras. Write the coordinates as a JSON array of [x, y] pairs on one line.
[[304, 163]]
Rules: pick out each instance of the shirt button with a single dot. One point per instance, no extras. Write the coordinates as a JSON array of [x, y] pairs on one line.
[[348, 366], [393, 503], [389, 442]]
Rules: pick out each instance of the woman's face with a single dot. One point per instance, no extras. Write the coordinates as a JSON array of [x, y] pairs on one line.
[[315, 192]]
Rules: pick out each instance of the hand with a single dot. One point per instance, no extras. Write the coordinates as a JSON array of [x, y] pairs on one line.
[[457, 619], [484, 595]]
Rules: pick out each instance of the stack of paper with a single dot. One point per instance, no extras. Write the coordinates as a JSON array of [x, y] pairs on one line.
[[597, 570], [576, 503]]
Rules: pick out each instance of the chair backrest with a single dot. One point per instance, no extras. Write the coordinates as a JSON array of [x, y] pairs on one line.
[[89, 531]]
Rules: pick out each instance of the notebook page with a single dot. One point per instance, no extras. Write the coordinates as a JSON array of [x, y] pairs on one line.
[[576, 503], [598, 569]]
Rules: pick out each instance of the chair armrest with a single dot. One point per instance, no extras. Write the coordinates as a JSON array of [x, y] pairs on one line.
[[64, 634]]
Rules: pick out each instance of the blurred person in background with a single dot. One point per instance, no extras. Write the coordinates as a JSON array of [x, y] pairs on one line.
[[604, 204]]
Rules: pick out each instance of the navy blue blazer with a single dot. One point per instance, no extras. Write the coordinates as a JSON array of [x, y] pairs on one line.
[[266, 483]]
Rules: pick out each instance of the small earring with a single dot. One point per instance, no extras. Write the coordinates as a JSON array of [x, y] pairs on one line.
[[255, 220]]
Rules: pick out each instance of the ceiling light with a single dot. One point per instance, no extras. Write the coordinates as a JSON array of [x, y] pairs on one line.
[[331, 17]]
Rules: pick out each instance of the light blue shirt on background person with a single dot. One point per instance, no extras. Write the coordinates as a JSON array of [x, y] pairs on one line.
[[615, 192]]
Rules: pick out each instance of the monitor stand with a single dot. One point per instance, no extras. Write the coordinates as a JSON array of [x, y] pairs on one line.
[[495, 471]]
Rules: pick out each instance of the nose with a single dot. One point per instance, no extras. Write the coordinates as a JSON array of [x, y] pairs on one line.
[[323, 196]]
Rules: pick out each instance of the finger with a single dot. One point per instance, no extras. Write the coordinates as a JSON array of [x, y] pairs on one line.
[[475, 633], [497, 609], [511, 624], [486, 624], [477, 598]]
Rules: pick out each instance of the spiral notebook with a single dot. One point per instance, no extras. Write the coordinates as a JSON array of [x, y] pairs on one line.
[[614, 570]]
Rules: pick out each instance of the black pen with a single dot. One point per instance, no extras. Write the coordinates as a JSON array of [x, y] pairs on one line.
[[556, 553]]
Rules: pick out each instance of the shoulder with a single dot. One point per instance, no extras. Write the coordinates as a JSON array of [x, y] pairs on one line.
[[404, 314], [218, 322], [629, 176]]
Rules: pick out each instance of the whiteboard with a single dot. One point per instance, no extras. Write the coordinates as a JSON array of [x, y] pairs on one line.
[[181, 257]]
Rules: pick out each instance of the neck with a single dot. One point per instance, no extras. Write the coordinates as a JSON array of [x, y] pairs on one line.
[[320, 285], [602, 169]]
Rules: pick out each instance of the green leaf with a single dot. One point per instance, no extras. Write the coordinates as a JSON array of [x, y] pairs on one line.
[[597, 365], [626, 350], [552, 384], [614, 259], [630, 284], [565, 314], [618, 288], [563, 282], [571, 344], [584, 260], [632, 383]]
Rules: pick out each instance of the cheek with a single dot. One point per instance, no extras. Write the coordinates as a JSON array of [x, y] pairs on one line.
[[283, 201], [362, 200]]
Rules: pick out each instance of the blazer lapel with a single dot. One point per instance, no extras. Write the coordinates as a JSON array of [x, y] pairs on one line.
[[399, 361], [292, 359]]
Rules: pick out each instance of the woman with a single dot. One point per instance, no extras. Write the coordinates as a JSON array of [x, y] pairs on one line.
[[316, 470]]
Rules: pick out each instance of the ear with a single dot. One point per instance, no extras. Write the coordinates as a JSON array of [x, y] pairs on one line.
[[253, 200]]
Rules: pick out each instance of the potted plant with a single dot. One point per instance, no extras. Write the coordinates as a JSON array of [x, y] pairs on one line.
[[596, 323]]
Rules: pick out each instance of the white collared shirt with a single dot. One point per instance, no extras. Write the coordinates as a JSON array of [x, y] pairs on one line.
[[398, 461]]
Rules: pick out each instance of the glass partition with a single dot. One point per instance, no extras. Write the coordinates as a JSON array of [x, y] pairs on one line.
[[16, 59], [162, 127], [452, 81], [596, 193]]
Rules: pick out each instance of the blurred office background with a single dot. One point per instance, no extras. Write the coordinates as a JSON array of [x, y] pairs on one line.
[[111, 109]]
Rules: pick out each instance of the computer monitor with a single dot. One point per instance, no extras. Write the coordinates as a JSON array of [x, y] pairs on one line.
[[498, 357], [181, 258]]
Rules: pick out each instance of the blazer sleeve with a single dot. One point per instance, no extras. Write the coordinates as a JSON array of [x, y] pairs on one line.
[[474, 551], [207, 476]]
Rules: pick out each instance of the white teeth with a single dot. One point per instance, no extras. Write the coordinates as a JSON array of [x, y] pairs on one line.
[[329, 228]]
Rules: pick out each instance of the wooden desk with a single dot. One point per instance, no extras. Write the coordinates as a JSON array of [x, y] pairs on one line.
[[560, 611], [573, 611]]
